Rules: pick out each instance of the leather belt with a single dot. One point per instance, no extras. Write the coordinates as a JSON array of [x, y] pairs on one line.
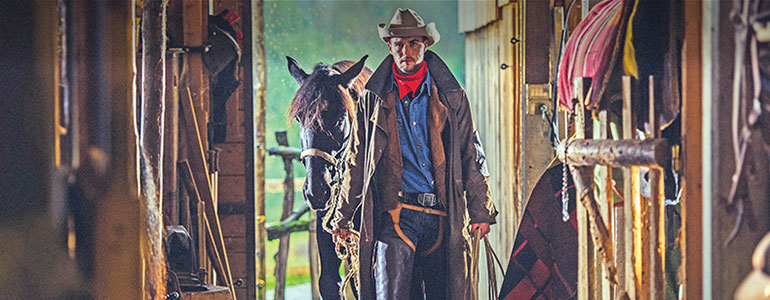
[[424, 199]]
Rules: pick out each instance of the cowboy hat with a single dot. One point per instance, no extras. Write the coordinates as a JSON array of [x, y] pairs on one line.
[[406, 22]]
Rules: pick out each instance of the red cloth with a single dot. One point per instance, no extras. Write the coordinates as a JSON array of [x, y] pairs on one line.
[[589, 51], [409, 83]]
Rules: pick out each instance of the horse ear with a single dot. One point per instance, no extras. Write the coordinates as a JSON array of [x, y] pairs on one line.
[[346, 79], [295, 70]]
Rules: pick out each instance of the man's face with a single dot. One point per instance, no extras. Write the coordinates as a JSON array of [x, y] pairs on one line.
[[407, 52]]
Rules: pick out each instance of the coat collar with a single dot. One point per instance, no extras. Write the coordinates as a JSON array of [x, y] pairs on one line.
[[381, 79]]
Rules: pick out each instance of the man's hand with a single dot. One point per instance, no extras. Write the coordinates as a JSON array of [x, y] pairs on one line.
[[484, 227]]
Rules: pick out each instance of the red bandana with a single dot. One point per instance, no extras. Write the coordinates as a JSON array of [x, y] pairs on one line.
[[409, 83]]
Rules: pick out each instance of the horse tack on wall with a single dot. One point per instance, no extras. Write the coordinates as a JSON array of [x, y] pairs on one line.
[[615, 40], [624, 37]]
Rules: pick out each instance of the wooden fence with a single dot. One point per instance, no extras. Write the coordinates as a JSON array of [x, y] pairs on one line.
[[290, 222]]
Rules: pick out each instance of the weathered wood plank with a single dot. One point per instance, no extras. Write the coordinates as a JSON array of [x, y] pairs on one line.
[[657, 211], [313, 257], [629, 125], [195, 20], [584, 254], [692, 144], [289, 152], [254, 81], [288, 204], [604, 201]]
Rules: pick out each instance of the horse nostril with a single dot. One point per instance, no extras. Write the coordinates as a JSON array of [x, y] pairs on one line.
[[317, 194]]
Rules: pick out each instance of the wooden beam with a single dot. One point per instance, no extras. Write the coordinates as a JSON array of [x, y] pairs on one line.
[[290, 152], [313, 256], [284, 229], [604, 201], [272, 230], [656, 204], [171, 143], [585, 260], [288, 204], [195, 20], [692, 149], [112, 110], [622, 153], [629, 127], [153, 34], [255, 68]]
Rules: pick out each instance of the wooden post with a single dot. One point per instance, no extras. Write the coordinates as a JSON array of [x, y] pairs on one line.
[[585, 260], [692, 147], [255, 65], [151, 141], [153, 96], [288, 205], [657, 211], [604, 201], [171, 143], [313, 257], [195, 19], [120, 210], [629, 127]]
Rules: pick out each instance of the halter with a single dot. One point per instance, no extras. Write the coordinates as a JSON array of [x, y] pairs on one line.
[[320, 153]]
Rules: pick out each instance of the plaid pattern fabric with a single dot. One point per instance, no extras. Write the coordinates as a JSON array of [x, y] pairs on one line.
[[543, 264]]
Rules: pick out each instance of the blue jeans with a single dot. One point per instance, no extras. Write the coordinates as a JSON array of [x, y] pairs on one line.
[[410, 259]]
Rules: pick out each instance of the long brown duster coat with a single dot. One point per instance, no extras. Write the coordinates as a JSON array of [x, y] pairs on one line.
[[375, 165]]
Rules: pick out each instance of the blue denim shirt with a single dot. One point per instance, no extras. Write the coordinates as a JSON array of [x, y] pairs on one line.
[[415, 144]]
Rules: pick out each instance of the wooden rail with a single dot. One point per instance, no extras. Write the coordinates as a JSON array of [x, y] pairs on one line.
[[643, 224], [290, 221]]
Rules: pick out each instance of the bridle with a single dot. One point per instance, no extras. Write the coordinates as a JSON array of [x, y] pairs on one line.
[[337, 162]]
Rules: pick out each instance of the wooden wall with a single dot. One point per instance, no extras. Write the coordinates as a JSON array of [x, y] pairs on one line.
[[234, 160], [725, 266], [493, 81]]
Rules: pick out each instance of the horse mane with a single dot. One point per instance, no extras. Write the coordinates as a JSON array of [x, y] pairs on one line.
[[308, 103]]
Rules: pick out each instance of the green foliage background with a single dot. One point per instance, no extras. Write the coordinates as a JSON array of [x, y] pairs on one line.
[[330, 31]]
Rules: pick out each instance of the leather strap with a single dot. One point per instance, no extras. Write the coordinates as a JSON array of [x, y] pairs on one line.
[[316, 152], [423, 209]]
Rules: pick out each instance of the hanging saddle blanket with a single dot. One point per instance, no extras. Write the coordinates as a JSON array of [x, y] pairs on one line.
[[543, 264], [592, 50]]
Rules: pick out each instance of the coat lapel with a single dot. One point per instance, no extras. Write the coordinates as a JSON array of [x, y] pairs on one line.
[[381, 121]]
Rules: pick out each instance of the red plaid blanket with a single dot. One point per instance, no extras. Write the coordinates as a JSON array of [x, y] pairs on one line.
[[543, 264]]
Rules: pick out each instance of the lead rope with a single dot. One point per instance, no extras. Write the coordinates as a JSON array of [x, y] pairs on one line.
[[493, 262], [346, 249]]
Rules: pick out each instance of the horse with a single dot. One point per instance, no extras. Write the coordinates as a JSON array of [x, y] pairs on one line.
[[324, 107]]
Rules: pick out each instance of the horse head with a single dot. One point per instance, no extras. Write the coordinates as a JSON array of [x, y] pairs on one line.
[[324, 106]]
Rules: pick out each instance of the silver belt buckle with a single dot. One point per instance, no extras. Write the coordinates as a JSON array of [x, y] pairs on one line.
[[427, 199]]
